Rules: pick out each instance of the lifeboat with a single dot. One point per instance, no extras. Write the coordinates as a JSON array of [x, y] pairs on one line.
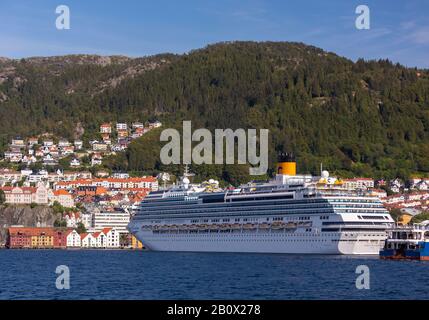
[[249, 226], [236, 226], [264, 225], [277, 225], [225, 227], [202, 227], [213, 227], [291, 225]]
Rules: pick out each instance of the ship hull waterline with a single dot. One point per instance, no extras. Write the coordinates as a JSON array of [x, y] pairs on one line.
[[261, 243]]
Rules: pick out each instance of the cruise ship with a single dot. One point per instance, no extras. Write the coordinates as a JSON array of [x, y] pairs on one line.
[[296, 214]]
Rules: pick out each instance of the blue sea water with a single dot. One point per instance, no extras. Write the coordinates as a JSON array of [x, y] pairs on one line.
[[123, 274]]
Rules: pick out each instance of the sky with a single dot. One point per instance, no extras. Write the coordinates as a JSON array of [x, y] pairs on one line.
[[399, 30]]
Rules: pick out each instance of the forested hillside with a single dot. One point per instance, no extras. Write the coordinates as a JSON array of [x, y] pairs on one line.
[[359, 118]]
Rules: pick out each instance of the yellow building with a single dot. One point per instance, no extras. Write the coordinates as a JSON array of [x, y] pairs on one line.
[[42, 240], [405, 218], [135, 243]]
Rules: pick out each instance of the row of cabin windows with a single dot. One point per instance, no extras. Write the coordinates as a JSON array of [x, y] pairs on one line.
[[253, 219]]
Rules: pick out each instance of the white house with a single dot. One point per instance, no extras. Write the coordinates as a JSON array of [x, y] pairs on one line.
[[78, 144], [48, 143], [32, 141], [99, 146], [96, 159], [26, 172], [105, 128], [63, 143], [49, 160], [419, 184], [136, 125], [13, 156], [100, 239], [121, 175], [155, 124], [73, 239], [88, 240], [75, 163], [72, 219], [86, 219], [112, 237], [65, 151], [121, 126], [18, 142], [40, 176], [396, 185]]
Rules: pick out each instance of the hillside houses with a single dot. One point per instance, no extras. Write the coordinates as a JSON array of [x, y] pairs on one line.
[[112, 184], [48, 152], [421, 184]]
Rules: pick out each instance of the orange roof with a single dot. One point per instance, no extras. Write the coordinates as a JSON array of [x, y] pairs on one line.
[[96, 234], [29, 231], [61, 192], [83, 235], [106, 230], [100, 190]]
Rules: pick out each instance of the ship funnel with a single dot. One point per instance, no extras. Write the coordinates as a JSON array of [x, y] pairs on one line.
[[286, 164]]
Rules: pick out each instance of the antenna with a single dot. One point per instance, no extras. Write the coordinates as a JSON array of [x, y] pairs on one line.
[[186, 172], [185, 179]]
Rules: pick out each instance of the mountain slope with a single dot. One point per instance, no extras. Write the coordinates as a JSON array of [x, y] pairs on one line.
[[358, 118]]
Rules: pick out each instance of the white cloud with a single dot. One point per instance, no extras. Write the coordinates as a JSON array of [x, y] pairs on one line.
[[420, 36]]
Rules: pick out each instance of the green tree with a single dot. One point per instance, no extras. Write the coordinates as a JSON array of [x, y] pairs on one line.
[[58, 208], [395, 213], [420, 217], [80, 228], [60, 223]]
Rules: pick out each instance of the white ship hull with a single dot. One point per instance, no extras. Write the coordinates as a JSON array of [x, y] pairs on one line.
[[265, 242]]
